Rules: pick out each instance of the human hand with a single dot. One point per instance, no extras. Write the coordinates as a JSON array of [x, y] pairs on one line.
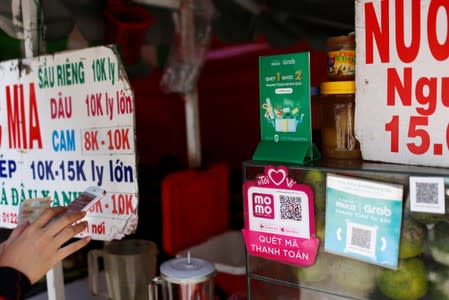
[[34, 248]]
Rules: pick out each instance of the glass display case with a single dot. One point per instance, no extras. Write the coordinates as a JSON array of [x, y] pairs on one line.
[[423, 263]]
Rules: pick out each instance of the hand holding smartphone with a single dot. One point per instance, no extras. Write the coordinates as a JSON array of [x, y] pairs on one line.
[[86, 199], [32, 208]]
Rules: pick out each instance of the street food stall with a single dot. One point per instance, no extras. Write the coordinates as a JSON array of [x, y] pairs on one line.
[[245, 149]]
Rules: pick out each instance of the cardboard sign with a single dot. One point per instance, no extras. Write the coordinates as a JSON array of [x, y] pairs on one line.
[[279, 219], [363, 219], [402, 99], [285, 117], [67, 123]]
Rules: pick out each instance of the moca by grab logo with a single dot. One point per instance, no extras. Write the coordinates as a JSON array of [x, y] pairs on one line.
[[263, 206]]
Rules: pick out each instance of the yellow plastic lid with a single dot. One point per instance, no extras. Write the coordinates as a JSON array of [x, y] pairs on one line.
[[337, 87]]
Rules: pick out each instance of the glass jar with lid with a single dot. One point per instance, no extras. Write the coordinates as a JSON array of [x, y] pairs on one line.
[[341, 57], [337, 102]]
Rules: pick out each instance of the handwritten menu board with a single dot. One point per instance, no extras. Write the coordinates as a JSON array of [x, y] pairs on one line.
[[67, 123]]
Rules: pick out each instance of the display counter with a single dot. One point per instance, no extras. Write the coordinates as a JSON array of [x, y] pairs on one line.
[[422, 253]]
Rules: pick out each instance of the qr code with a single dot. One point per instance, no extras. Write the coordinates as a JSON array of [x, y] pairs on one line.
[[291, 208], [427, 192], [361, 238]]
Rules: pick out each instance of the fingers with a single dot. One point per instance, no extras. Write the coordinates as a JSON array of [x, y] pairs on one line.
[[72, 247], [69, 232], [48, 215], [64, 221], [18, 230]]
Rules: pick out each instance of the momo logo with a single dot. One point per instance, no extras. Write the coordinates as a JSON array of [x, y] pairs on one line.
[[263, 206]]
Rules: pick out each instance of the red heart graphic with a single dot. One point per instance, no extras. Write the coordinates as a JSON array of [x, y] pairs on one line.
[[277, 176]]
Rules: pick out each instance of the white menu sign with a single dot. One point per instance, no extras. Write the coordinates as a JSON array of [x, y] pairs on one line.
[[67, 123], [402, 99]]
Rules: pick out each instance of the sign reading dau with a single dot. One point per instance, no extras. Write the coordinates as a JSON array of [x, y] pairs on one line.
[[363, 219], [67, 123], [402, 99], [285, 118], [279, 218]]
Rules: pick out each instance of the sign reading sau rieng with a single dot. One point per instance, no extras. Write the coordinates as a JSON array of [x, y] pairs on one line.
[[402, 74], [67, 123]]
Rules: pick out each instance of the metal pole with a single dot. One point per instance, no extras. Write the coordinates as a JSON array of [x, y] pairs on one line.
[[55, 283], [193, 129], [32, 30], [171, 4], [31, 22], [190, 98]]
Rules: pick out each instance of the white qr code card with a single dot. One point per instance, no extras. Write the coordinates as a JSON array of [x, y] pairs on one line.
[[427, 194]]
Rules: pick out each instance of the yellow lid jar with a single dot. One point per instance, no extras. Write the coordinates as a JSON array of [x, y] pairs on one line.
[[341, 57], [337, 102]]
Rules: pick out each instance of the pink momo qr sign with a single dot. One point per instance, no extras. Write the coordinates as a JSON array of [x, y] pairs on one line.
[[279, 218]]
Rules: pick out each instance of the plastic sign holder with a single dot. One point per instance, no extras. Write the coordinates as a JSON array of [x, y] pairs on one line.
[[363, 219], [280, 219], [285, 113]]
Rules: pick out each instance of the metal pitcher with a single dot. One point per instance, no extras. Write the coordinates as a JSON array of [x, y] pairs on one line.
[[184, 279], [129, 266]]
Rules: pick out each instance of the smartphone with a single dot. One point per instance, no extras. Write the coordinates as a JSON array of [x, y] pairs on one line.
[[86, 199]]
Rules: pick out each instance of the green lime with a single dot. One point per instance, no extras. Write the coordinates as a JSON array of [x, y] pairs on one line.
[[317, 180], [319, 227], [408, 282], [439, 243], [354, 276], [317, 272], [412, 238]]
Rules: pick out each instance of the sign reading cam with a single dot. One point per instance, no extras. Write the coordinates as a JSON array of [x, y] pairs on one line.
[[402, 99], [67, 123]]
